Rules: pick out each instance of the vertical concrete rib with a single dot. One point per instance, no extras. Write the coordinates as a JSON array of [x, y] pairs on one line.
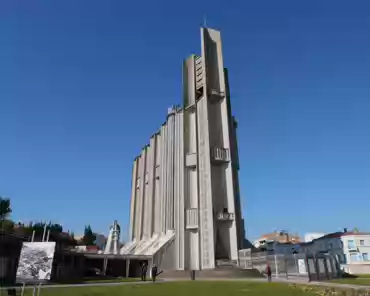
[[157, 188], [150, 188], [205, 189], [133, 201], [181, 207], [205, 183], [142, 192], [164, 179], [216, 81], [138, 212], [176, 190], [170, 177]]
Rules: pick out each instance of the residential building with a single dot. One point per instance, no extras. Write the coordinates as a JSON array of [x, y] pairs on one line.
[[309, 237], [356, 247], [185, 203], [272, 247], [330, 243], [282, 237], [352, 249]]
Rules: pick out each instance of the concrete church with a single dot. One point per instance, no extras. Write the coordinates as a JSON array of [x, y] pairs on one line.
[[185, 208]]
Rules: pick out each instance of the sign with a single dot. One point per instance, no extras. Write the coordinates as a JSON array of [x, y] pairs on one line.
[[36, 262]]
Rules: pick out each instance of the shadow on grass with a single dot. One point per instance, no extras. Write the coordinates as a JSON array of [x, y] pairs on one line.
[[346, 275], [91, 280]]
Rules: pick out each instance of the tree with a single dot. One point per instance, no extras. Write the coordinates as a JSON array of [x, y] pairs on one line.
[[7, 225], [55, 228], [5, 208], [89, 237]]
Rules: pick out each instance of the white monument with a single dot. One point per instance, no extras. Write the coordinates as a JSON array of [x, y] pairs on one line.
[[185, 204], [112, 246]]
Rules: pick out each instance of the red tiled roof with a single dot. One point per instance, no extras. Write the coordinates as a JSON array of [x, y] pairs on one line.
[[92, 248]]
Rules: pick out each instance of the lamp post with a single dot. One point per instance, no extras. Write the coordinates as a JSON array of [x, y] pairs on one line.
[[275, 258]]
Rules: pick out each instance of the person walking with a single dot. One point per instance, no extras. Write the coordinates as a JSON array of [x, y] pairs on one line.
[[154, 272], [144, 269], [268, 272]]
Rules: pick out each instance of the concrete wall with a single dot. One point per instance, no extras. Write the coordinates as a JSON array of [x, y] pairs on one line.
[[358, 268]]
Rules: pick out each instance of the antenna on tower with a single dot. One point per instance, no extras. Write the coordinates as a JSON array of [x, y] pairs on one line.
[[205, 21]]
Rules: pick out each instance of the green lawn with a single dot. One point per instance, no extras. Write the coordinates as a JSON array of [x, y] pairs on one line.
[[366, 276], [186, 288], [365, 281], [115, 280], [96, 280]]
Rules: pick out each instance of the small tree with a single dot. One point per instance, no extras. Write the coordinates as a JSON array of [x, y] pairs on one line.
[[7, 225], [89, 237], [5, 208]]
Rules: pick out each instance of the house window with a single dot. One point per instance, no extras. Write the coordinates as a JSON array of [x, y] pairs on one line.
[[354, 257], [362, 242], [365, 256], [351, 244]]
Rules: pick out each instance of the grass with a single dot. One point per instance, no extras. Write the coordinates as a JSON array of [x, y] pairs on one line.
[[364, 276], [93, 280], [186, 288], [363, 281], [114, 280]]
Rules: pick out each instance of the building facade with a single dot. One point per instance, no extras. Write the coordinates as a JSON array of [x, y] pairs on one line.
[[281, 237], [352, 249], [185, 204], [309, 237]]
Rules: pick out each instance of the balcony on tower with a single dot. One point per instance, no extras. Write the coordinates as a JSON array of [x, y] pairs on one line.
[[215, 95], [220, 155], [225, 215]]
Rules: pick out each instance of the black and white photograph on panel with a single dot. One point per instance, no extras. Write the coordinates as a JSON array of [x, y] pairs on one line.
[[36, 261]]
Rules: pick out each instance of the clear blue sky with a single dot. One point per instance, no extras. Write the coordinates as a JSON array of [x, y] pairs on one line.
[[83, 84]]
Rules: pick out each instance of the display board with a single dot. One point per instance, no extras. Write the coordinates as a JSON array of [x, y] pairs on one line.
[[36, 262]]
